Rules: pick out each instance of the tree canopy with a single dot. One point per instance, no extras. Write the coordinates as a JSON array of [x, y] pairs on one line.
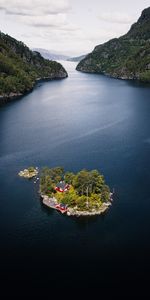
[[20, 67], [87, 188]]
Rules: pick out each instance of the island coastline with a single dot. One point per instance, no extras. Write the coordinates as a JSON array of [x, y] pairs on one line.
[[75, 194], [75, 211]]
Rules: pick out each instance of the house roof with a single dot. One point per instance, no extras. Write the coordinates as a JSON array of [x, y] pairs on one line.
[[61, 185]]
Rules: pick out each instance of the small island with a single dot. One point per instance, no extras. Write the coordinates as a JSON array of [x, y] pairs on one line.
[[82, 194], [29, 173]]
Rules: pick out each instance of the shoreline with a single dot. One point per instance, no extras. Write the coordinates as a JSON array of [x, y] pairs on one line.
[[118, 77], [4, 99], [77, 213], [27, 173], [51, 202]]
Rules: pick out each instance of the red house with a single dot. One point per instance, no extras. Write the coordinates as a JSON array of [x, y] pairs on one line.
[[61, 207], [62, 187]]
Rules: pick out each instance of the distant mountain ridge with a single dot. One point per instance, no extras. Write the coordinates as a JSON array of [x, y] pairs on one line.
[[47, 54], [52, 55], [76, 58], [20, 68], [127, 57]]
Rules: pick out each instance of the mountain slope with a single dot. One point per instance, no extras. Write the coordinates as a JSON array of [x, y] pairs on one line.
[[50, 54], [20, 68], [127, 57]]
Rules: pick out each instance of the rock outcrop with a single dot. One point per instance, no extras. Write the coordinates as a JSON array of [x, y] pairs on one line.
[[29, 173]]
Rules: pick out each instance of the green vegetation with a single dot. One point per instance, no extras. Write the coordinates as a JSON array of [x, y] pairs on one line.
[[49, 178], [31, 169], [87, 188], [127, 57], [20, 67]]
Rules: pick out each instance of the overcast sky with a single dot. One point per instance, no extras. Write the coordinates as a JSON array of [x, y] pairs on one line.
[[68, 26]]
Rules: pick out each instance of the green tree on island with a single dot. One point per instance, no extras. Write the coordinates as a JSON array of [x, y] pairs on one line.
[[87, 188]]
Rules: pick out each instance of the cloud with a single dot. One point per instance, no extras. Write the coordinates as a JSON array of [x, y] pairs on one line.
[[37, 13], [54, 21], [116, 17], [34, 7]]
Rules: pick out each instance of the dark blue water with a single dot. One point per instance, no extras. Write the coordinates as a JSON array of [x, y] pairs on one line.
[[85, 121]]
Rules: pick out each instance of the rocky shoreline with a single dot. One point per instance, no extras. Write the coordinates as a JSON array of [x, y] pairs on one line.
[[5, 98], [12, 96], [78, 213], [28, 173], [123, 76], [51, 202]]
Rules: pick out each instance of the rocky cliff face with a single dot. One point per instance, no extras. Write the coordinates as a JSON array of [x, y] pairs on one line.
[[20, 68], [127, 57]]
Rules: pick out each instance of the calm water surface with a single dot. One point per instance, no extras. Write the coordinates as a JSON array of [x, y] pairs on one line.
[[85, 121]]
